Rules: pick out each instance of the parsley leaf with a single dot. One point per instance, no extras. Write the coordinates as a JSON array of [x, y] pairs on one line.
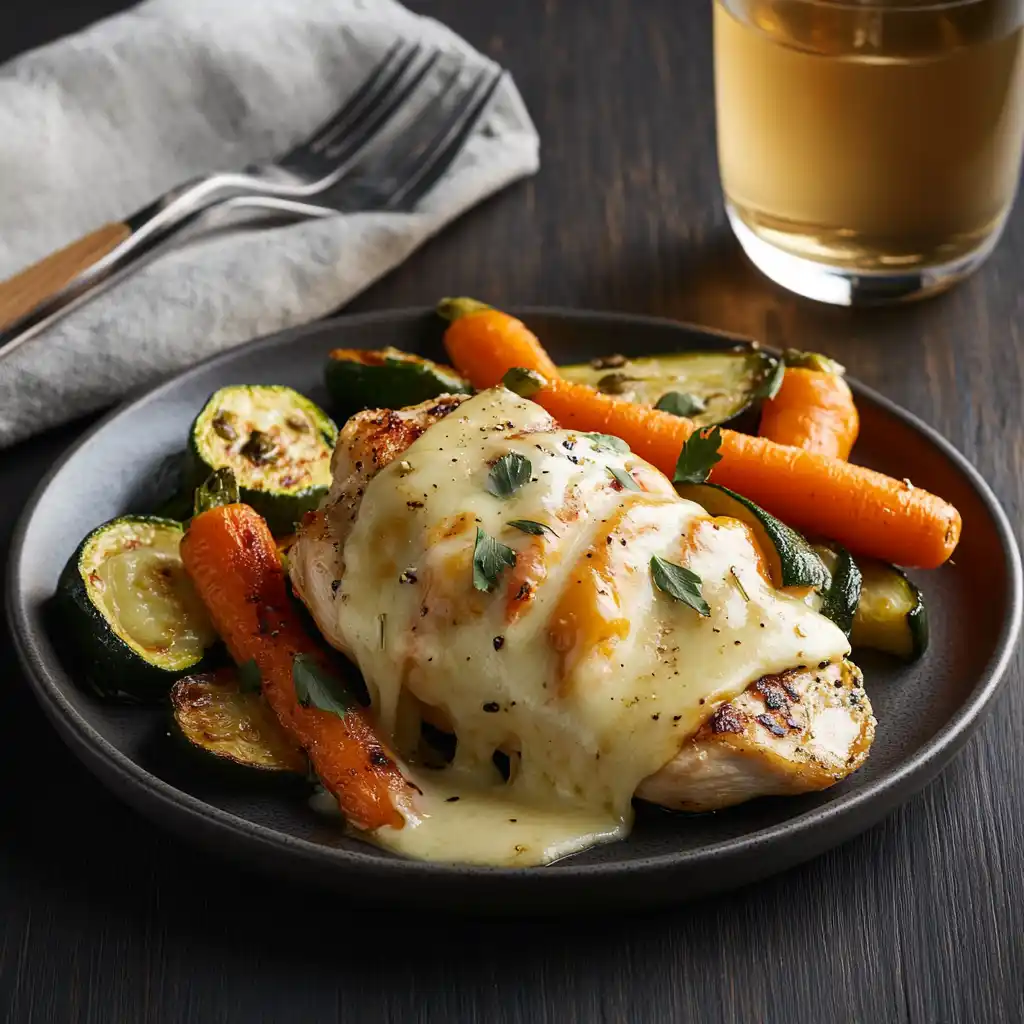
[[699, 454], [249, 678], [529, 526], [680, 403], [316, 688], [679, 583], [508, 474], [607, 443], [769, 386], [624, 478], [490, 558]]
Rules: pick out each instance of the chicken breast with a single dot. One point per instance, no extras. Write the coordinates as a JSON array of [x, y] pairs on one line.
[[580, 599], [367, 443], [787, 734]]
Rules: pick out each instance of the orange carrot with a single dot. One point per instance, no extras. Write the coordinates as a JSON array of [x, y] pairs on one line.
[[813, 410], [482, 336], [233, 561], [867, 512]]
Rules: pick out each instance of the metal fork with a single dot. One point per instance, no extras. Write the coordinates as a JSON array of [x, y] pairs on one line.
[[36, 297], [399, 178]]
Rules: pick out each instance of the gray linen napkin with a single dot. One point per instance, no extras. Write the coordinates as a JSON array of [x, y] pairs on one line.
[[96, 125]]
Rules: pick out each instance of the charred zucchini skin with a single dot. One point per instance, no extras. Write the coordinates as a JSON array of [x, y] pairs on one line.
[[793, 562], [282, 508], [729, 384], [386, 378], [202, 710], [892, 615], [390, 379], [842, 597], [109, 666]]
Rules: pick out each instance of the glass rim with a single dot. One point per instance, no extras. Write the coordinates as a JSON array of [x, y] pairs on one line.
[[889, 5]]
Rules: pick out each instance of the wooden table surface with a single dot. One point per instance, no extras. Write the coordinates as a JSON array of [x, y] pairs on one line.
[[105, 918]]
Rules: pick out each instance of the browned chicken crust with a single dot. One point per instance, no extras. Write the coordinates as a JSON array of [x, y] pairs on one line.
[[796, 732], [369, 441]]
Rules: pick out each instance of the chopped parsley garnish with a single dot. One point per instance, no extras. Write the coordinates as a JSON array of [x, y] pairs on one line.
[[531, 527], [607, 443], [739, 583], [316, 688], [490, 559], [624, 478], [249, 679], [680, 403], [699, 454], [679, 583], [508, 474]]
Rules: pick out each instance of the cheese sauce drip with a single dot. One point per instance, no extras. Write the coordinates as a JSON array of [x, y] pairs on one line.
[[574, 665]]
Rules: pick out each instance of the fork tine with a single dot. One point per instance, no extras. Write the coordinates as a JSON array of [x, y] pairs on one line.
[[447, 143], [364, 94], [349, 143]]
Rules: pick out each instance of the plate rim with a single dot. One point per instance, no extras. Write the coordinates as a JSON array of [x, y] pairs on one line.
[[893, 788]]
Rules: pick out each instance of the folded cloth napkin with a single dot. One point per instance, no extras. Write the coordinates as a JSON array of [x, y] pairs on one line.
[[96, 125]]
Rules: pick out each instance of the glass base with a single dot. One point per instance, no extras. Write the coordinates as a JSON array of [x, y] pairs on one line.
[[840, 287]]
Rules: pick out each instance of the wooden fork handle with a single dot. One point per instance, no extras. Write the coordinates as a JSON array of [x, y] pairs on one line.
[[33, 285]]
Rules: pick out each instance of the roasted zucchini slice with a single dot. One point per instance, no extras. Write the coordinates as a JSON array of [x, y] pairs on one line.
[[130, 614], [219, 719], [386, 379], [277, 443], [839, 602], [792, 562], [708, 387], [891, 615]]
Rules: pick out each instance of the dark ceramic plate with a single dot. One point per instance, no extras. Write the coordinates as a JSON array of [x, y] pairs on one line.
[[925, 711]]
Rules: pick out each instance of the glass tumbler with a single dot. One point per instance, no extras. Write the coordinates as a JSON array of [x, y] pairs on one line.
[[869, 149]]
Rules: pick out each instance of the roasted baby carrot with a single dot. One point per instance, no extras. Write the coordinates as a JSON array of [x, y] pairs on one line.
[[813, 410], [865, 511], [233, 561], [483, 337]]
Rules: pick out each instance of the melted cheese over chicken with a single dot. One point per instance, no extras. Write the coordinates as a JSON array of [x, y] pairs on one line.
[[575, 664]]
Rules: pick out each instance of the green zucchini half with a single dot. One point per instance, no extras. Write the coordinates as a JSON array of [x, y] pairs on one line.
[[216, 718], [277, 443], [386, 379], [839, 602], [891, 615], [708, 387], [792, 562], [128, 610]]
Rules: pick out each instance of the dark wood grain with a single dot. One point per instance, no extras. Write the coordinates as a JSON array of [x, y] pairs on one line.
[[104, 918]]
